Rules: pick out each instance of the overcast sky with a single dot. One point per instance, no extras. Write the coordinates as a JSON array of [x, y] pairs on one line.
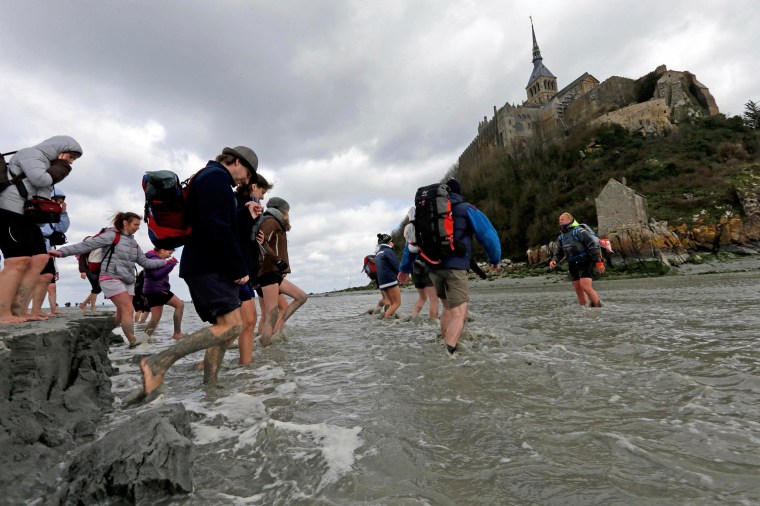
[[350, 105]]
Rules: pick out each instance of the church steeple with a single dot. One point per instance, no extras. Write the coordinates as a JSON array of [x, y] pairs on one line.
[[542, 84], [536, 50]]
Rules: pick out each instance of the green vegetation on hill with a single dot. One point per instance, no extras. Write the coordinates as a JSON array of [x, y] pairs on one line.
[[688, 171]]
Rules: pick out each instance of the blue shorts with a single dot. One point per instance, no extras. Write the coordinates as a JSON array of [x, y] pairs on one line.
[[213, 295], [246, 293]]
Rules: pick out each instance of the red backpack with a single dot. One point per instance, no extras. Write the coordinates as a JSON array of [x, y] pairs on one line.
[[166, 205], [369, 268]]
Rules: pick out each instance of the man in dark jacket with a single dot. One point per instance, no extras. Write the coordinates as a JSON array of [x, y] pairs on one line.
[[212, 265], [450, 276], [583, 253]]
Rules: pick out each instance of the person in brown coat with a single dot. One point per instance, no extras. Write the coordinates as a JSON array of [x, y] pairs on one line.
[[275, 266]]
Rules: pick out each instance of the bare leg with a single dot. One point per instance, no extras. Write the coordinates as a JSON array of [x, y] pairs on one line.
[[10, 277], [179, 311], [155, 317], [53, 298], [588, 290], [26, 286], [271, 296], [40, 291], [455, 323], [299, 299], [245, 339], [263, 318], [420, 302], [394, 294], [580, 293], [433, 298], [226, 327], [124, 309]]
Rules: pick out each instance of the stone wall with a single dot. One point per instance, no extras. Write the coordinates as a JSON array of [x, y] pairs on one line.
[[647, 118], [618, 206]]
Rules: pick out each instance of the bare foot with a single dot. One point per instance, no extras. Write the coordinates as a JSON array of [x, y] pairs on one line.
[[83, 307], [36, 317], [55, 312], [12, 319], [200, 366], [150, 381], [178, 335]]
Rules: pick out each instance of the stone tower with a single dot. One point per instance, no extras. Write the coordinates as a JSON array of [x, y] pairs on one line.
[[542, 84]]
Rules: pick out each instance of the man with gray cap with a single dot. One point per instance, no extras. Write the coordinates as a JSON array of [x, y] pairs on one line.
[[212, 265]]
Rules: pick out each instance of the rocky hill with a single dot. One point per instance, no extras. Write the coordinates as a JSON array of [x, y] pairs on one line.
[[701, 178]]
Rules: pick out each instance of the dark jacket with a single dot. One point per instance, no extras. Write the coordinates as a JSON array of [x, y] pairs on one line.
[[213, 245], [577, 245], [387, 267], [274, 236], [249, 246]]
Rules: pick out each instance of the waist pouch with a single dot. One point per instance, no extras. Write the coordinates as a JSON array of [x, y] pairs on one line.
[[42, 210]]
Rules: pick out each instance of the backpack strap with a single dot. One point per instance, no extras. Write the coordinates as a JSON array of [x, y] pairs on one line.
[[112, 248]]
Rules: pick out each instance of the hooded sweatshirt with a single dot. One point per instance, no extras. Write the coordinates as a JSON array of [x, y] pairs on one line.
[[157, 280], [34, 162]]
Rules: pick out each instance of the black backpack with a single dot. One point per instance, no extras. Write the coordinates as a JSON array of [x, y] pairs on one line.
[[434, 223], [5, 182]]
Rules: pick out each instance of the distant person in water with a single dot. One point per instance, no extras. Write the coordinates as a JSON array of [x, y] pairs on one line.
[[275, 266], [157, 292], [387, 272], [582, 253], [420, 277], [212, 265]]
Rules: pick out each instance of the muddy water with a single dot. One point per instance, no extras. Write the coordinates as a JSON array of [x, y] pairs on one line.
[[654, 399]]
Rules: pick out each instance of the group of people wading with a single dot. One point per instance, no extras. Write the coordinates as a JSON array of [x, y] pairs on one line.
[[236, 249]]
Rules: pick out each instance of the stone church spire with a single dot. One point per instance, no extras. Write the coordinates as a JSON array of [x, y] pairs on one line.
[[536, 50], [542, 84]]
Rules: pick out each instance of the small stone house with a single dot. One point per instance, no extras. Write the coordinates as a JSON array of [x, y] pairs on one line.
[[618, 206]]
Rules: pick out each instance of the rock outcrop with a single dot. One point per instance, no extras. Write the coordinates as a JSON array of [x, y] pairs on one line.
[[139, 461], [55, 389]]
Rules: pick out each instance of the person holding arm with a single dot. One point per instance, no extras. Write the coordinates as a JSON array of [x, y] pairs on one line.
[[117, 271]]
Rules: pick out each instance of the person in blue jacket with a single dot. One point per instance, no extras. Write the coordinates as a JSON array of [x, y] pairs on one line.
[[450, 276], [387, 274], [577, 245], [212, 265]]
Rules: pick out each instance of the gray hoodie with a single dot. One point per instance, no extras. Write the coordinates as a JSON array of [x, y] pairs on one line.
[[34, 162], [125, 255]]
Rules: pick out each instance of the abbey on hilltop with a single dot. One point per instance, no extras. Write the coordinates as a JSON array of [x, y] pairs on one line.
[[651, 104]]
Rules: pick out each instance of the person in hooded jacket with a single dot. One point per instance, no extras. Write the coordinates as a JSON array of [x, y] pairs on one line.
[[387, 271], [117, 270], [274, 266], [32, 172]]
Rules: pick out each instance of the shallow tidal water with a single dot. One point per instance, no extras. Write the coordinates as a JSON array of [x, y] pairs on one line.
[[652, 399]]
